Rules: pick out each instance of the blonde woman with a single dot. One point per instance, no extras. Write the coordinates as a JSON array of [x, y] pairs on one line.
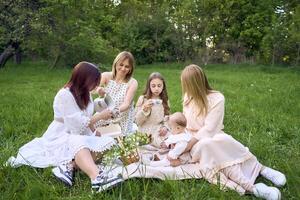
[[222, 159], [120, 85]]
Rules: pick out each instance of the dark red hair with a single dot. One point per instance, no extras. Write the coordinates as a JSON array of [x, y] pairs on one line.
[[85, 77]]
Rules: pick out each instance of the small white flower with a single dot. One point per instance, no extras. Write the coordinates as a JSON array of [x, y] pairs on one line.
[[270, 90]]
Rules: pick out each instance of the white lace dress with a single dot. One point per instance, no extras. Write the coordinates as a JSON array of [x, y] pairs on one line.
[[117, 91], [65, 136]]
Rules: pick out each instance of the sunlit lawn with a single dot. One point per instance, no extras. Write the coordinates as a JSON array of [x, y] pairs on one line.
[[262, 111]]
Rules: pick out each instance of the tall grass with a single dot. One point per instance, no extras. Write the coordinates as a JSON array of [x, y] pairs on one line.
[[262, 111]]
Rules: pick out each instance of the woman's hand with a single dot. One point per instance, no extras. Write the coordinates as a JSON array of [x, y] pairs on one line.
[[147, 105], [105, 114], [190, 145], [100, 91], [115, 112]]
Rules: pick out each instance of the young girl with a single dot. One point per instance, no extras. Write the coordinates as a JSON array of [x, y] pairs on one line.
[[222, 159], [175, 144], [151, 109], [121, 87]]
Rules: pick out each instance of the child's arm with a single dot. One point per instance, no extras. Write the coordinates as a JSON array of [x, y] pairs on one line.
[[177, 150], [140, 115]]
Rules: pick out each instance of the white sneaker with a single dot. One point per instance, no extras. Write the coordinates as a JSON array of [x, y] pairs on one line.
[[274, 176], [103, 182], [64, 173], [260, 190]]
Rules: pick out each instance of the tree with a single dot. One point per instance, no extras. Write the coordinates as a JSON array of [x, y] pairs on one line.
[[15, 17]]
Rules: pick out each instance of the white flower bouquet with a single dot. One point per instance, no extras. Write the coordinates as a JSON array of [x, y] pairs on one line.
[[126, 149]]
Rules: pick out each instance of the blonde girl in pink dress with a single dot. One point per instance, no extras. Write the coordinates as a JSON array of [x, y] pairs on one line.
[[222, 159]]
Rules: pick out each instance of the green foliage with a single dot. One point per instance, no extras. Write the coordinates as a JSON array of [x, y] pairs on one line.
[[66, 32]]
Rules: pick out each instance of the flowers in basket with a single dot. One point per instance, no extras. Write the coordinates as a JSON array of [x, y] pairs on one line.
[[126, 148]]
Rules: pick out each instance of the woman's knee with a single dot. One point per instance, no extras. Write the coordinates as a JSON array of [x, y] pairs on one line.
[[202, 144]]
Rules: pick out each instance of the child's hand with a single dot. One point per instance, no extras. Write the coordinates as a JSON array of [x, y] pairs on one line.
[[147, 105], [166, 118], [163, 131], [163, 145], [100, 91]]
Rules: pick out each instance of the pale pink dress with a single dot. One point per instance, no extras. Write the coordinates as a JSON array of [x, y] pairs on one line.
[[222, 159]]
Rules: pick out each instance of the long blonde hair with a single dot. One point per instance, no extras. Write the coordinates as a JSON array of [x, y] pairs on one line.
[[195, 87], [121, 57]]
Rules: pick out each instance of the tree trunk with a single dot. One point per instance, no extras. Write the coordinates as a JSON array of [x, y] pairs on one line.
[[273, 55], [5, 55], [18, 56], [298, 55], [55, 61]]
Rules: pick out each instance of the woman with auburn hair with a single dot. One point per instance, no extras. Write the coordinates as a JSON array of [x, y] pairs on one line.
[[121, 87], [222, 159], [69, 139]]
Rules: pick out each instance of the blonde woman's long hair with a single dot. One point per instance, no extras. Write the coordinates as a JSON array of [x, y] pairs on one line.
[[195, 87], [121, 57]]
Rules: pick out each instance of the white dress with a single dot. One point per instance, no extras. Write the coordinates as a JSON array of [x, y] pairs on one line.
[[66, 135], [117, 91], [180, 142]]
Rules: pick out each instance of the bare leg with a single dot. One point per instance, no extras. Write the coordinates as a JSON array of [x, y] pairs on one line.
[[85, 162]]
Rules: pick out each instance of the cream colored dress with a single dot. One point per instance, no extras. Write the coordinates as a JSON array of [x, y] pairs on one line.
[[217, 152], [151, 122]]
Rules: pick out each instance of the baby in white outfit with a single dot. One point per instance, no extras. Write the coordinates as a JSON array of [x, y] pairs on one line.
[[175, 144]]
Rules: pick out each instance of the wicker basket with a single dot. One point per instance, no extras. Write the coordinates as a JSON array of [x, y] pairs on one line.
[[131, 158]]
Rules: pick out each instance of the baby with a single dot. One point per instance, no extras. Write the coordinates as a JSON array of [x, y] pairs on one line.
[[175, 144]]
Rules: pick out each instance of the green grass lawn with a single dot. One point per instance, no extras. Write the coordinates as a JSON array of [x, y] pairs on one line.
[[262, 111]]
